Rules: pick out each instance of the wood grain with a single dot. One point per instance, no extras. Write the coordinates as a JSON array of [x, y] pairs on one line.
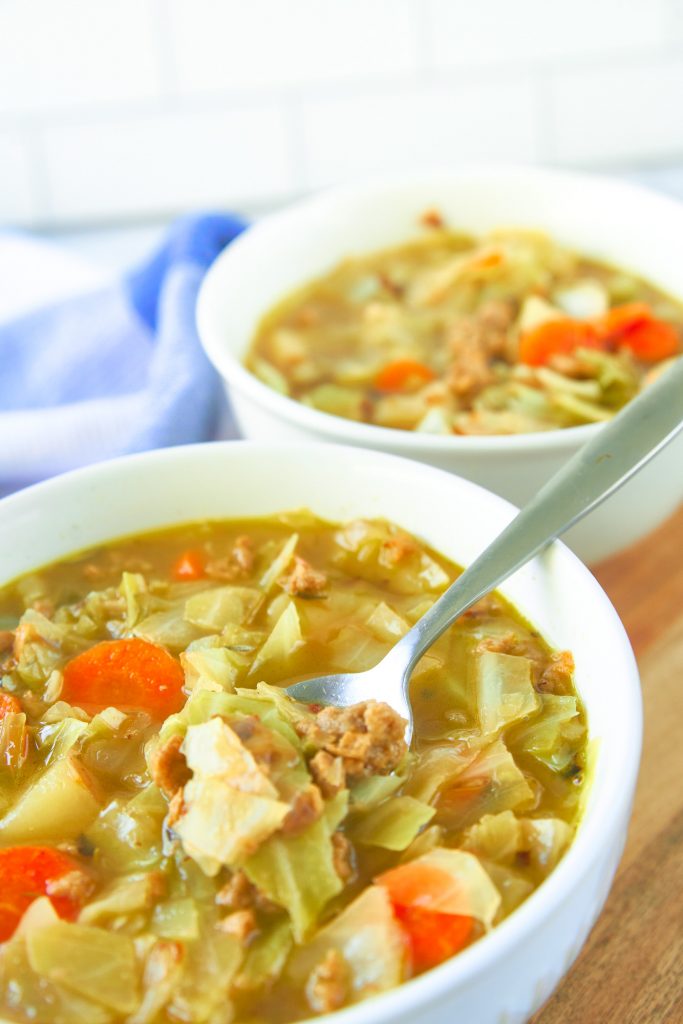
[[631, 969]]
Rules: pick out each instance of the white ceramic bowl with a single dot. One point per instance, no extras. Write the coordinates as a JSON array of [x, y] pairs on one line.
[[607, 219], [509, 974]]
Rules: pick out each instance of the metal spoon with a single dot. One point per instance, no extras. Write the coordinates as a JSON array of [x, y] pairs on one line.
[[617, 451]]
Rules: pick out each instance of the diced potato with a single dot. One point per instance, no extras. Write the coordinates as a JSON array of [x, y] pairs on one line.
[[58, 805]]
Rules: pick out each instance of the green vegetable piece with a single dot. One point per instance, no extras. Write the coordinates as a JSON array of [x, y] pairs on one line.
[[279, 564], [555, 737], [36, 998], [265, 958], [210, 966], [169, 628], [393, 825], [133, 589], [298, 874], [94, 963], [496, 837], [59, 738], [127, 835], [127, 895], [284, 639], [373, 790], [504, 690], [370, 940], [222, 606], [13, 741], [176, 919]]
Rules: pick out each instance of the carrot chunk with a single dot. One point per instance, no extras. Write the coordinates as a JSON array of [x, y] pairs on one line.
[[25, 874], [9, 705], [557, 337], [403, 375], [433, 937], [621, 319], [189, 566], [127, 674], [652, 340]]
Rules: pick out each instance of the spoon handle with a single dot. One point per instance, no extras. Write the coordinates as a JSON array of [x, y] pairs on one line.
[[617, 451]]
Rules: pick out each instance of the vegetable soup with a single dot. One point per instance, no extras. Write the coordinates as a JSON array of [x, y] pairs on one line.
[[182, 842], [510, 333]]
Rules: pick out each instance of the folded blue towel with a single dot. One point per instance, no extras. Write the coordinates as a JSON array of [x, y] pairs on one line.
[[118, 369]]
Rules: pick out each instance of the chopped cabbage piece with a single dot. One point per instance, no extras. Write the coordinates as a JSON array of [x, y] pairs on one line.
[[127, 834], [546, 839], [284, 639], [556, 735], [222, 606], [13, 741], [176, 919], [354, 649], [97, 964], [368, 937], [265, 958], [297, 873], [279, 565], [210, 668], [133, 588], [492, 782], [511, 885], [496, 837], [386, 624], [34, 997], [393, 825], [204, 987], [230, 806], [504, 690], [373, 790], [222, 825], [123, 896], [436, 768], [214, 749], [168, 628]]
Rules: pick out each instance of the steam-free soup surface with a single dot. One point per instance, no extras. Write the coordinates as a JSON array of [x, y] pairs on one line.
[[448, 334], [179, 841]]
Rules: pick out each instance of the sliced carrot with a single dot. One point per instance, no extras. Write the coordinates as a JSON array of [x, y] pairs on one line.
[[189, 566], [621, 319], [128, 674], [416, 885], [9, 705], [403, 375], [433, 937], [557, 337], [652, 341], [25, 874]]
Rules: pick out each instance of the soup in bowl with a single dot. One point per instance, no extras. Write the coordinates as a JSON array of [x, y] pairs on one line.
[[181, 841], [492, 341]]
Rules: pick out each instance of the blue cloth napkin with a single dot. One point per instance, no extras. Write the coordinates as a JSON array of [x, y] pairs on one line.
[[116, 370]]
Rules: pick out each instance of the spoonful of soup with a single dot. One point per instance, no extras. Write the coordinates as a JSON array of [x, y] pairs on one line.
[[617, 452]]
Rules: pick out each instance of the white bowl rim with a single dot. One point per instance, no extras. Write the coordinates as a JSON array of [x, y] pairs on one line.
[[613, 785], [230, 366]]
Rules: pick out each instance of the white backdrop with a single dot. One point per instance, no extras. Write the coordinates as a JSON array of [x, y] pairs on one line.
[[121, 110]]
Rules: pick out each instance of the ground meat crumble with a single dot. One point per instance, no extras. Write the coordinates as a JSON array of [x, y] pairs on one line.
[[369, 737]]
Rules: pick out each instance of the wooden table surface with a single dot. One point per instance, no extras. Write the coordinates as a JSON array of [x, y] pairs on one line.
[[631, 969]]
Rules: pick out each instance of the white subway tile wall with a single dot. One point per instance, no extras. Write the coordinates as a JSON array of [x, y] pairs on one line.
[[111, 112]]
